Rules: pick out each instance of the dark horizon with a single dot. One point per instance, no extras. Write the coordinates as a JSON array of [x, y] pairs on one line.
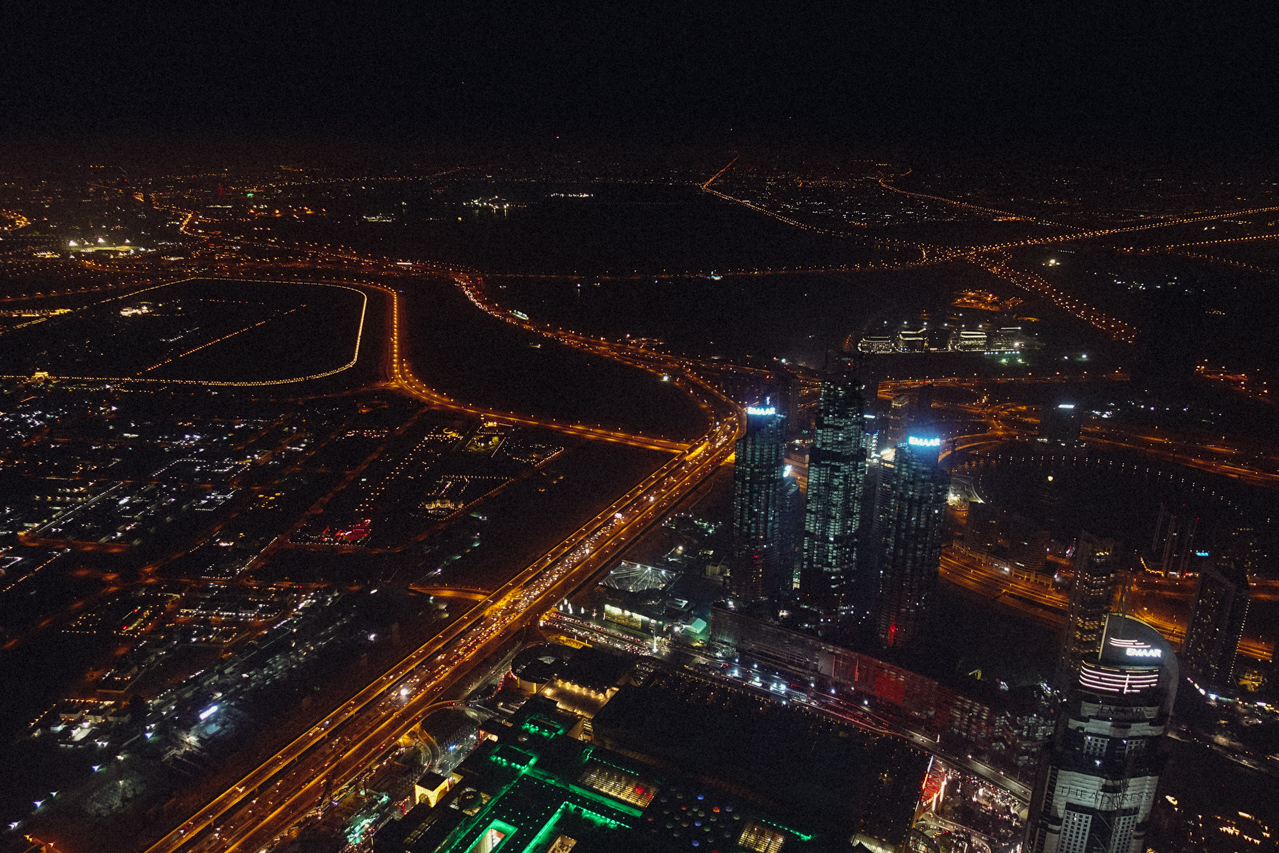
[[1174, 81], [362, 364]]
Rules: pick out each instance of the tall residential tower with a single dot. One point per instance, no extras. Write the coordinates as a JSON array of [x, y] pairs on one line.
[[836, 482], [1216, 625], [1091, 596], [758, 469], [909, 513]]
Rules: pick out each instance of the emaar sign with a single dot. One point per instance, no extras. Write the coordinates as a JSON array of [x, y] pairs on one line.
[[1135, 652], [1135, 649]]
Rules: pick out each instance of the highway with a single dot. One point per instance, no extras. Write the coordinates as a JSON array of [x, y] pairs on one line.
[[1253, 464], [939, 253], [1162, 601], [402, 376], [995, 258], [284, 789], [396, 366]]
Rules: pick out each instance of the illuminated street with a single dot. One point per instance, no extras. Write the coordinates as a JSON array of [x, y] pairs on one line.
[[790, 430]]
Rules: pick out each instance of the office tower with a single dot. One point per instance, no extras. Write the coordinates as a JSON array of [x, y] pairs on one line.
[[1215, 627], [910, 511], [784, 393], [758, 469], [922, 410], [984, 527], [1050, 498], [836, 481], [1241, 547], [870, 438], [1093, 590], [1174, 541], [1009, 339], [1096, 783], [897, 420], [791, 531], [865, 583], [1059, 423], [1027, 544]]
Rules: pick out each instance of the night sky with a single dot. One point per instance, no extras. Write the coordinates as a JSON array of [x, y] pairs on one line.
[[973, 76]]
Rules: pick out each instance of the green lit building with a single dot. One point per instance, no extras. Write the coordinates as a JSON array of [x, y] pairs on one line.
[[535, 789]]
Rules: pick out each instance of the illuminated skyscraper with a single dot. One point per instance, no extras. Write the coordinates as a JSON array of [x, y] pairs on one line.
[[758, 469], [897, 421], [910, 511], [791, 530], [836, 481], [1091, 596], [784, 394], [1240, 546], [908, 414], [1096, 784], [1216, 624]]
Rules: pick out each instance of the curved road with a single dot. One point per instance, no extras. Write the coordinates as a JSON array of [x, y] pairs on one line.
[[282, 790]]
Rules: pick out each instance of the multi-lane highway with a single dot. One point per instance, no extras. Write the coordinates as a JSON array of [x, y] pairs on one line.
[[1162, 601], [284, 788], [281, 791], [994, 258], [275, 796]]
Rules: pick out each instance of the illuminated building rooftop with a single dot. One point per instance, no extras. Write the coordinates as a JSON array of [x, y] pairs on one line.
[[537, 790], [637, 577]]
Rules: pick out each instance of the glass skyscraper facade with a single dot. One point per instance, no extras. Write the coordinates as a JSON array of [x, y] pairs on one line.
[[1216, 625], [756, 570], [836, 483], [1093, 592], [910, 512], [1096, 784]]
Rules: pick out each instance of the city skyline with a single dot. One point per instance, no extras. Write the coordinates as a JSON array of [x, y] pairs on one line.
[[441, 430], [252, 411], [758, 570]]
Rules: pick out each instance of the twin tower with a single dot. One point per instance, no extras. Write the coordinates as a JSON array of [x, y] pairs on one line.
[[870, 540]]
